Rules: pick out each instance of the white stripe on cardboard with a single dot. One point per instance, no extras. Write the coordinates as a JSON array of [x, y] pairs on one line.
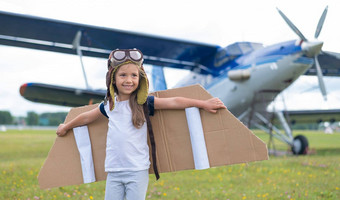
[[82, 137], [199, 148]]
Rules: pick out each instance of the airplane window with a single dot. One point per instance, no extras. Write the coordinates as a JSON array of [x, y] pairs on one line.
[[240, 48], [245, 47]]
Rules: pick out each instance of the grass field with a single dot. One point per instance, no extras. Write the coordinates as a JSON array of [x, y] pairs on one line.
[[315, 176]]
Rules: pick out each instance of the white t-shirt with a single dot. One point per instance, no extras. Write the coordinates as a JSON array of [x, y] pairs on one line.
[[126, 146]]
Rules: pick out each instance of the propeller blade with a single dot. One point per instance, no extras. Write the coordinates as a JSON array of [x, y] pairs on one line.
[[292, 26], [320, 78], [320, 24]]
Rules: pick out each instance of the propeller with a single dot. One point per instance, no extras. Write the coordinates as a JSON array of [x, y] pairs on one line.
[[312, 48], [320, 24], [320, 78], [292, 26]]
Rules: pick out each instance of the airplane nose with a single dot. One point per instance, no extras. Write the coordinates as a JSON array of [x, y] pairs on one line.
[[23, 89], [312, 48]]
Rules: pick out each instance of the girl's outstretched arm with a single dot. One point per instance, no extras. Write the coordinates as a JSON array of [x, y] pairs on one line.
[[210, 105], [82, 119]]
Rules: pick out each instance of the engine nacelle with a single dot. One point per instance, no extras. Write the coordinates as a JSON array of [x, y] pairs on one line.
[[239, 75]]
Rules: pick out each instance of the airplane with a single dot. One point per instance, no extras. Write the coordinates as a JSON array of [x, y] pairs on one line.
[[246, 76]]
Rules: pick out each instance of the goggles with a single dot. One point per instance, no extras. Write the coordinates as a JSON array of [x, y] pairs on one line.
[[120, 56]]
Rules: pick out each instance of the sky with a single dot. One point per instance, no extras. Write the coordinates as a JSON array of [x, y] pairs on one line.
[[219, 22]]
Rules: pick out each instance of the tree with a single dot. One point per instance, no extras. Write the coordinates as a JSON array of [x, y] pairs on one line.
[[53, 119], [6, 117], [32, 118]]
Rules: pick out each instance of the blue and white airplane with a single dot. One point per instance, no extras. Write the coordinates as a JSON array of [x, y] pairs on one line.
[[246, 76]]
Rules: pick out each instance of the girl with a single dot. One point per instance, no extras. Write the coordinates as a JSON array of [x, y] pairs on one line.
[[127, 153]]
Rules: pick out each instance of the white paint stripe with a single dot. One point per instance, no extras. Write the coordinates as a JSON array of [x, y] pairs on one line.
[[199, 148], [82, 137]]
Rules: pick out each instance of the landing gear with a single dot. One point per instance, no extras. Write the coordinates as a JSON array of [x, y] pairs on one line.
[[300, 145]]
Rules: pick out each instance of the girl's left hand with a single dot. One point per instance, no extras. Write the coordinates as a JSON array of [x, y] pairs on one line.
[[61, 131], [213, 104]]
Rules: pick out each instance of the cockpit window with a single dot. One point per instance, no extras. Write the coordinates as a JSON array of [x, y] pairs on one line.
[[240, 48]]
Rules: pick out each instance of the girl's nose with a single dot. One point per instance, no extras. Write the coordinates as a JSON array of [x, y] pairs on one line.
[[129, 79]]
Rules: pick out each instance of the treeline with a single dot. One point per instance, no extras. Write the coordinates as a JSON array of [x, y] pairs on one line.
[[33, 119]]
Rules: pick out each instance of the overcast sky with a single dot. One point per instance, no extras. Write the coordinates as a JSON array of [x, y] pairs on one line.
[[215, 22]]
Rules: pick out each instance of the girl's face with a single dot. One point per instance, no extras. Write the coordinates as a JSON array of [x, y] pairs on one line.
[[126, 80]]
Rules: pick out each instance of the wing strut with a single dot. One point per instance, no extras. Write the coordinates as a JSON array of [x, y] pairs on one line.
[[76, 45]]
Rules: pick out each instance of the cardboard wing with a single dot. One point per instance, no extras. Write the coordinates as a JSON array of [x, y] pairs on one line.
[[227, 141], [63, 164]]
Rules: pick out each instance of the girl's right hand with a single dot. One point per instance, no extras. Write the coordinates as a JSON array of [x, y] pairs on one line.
[[213, 104], [61, 131]]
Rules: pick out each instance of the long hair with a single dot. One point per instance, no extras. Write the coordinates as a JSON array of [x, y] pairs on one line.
[[138, 117], [108, 96]]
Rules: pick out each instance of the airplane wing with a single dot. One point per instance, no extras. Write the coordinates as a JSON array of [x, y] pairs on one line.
[[312, 116], [329, 62], [58, 36], [63, 96], [53, 35]]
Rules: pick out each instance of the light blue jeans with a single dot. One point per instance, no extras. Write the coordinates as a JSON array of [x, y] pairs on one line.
[[129, 184]]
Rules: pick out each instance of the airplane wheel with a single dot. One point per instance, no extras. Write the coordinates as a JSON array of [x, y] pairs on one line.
[[300, 145]]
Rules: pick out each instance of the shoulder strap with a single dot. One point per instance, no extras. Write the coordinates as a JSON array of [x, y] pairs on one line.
[[152, 139]]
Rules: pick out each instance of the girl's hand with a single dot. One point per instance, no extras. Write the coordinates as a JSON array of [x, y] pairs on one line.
[[213, 104], [82, 119], [61, 131]]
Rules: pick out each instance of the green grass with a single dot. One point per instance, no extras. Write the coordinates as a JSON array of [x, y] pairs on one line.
[[315, 176]]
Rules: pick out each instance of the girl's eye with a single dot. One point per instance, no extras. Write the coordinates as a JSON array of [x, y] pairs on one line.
[[122, 75]]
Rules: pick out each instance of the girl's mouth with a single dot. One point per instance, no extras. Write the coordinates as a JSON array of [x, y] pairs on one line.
[[128, 86]]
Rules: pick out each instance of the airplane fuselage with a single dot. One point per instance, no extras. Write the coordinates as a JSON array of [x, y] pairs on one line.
[[269, 75]]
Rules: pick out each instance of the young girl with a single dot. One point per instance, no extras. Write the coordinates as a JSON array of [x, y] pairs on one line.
[[127, 152]]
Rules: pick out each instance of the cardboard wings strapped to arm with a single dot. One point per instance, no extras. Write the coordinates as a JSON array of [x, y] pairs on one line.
[[227, 141]]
